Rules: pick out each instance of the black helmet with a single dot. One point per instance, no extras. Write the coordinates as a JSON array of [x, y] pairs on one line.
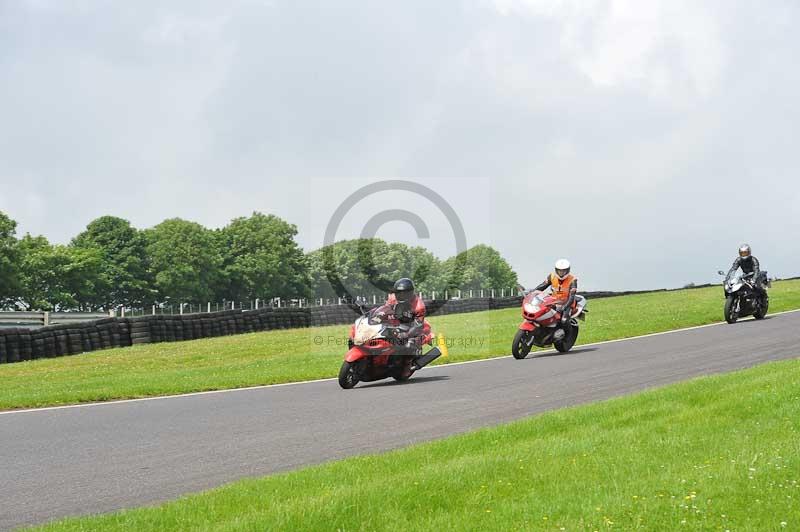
[[404, 290]]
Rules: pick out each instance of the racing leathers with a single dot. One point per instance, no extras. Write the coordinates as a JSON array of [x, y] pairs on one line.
[[412, 320], [748, 265], [563, 290]]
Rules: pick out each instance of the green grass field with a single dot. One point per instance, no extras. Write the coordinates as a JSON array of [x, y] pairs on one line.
[[304, 354], [716, 453]]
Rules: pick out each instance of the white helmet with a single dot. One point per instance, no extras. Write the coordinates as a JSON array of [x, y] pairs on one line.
[[562, 268]]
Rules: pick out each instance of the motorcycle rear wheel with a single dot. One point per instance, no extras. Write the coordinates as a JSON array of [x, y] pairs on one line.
[[730, 312], [348, 375], [569, 340], [520, 347]]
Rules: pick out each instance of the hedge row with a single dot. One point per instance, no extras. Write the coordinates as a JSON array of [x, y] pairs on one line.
[[17, 345]]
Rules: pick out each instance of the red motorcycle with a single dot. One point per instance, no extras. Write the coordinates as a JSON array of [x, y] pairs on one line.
[[379, 351], [542, 324]]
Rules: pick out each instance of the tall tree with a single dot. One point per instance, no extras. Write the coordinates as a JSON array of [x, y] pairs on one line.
[[480, 267], [186, 259], [370, 266], [125, 275], [262, 259], [9, 260], [56, 277]]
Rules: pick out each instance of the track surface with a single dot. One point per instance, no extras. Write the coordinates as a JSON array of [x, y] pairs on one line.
[[98, 458]]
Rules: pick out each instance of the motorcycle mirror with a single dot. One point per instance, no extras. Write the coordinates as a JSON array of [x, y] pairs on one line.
[[720, 272]]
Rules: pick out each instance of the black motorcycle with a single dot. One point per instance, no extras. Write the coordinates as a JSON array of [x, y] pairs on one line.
[[743, 299]]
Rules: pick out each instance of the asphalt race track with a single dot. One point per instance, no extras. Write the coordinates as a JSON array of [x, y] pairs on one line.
[[98, 458]]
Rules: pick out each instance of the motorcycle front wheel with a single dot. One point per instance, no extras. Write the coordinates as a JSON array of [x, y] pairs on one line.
[[348, 375], [731, 314], [761, 313], [520, 347]]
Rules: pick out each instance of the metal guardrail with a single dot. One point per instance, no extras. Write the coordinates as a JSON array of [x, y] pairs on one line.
[[33, 320]]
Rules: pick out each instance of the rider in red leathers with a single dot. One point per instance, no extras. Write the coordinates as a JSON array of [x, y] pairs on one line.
[[411, 316]]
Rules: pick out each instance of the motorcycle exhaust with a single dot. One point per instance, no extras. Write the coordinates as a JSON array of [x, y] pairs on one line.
[[427, 358]]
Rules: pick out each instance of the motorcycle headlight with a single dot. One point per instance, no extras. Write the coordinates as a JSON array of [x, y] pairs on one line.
[[365, 332], [529, 308]]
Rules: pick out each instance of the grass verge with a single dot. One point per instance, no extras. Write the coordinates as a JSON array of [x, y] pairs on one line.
[[304, 354], [715, 453]]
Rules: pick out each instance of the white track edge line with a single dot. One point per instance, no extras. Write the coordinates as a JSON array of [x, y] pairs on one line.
[[297, 383]]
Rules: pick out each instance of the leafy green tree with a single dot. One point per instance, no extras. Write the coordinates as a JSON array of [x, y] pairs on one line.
[[262, 259], [480, 267], [9, 260], [125, 276], [370, 266], [55, 277], [186, 259]]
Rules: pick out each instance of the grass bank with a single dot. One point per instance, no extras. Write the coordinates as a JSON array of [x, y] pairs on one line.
[[716, 453], [304, 354]]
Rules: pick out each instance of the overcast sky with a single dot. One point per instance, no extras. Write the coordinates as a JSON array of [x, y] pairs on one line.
[[643, 140]]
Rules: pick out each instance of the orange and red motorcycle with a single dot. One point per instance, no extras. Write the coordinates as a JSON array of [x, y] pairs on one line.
[[542, 324]]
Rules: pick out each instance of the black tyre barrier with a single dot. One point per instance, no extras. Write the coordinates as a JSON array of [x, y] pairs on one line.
[[75, 340], [94, 338], [86, 337], [50, 344], [170, 334], [187, 328], [157, 329], [25, 349], [12, 345], [3, 355], [123, 332], [37, 345]]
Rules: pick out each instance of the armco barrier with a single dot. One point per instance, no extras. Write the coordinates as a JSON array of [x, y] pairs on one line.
[[18, 345]]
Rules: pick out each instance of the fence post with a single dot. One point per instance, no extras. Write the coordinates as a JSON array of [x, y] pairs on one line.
[[433, 294], [470, 292], [492, 293], [481, 292], [46, 318]]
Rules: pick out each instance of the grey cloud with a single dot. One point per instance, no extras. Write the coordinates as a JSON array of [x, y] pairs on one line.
[[642, 140]]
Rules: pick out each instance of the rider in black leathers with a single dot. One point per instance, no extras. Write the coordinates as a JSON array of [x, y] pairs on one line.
[[749, 264]]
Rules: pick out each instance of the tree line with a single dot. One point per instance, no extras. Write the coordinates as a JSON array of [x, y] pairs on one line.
[[112, 264]]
